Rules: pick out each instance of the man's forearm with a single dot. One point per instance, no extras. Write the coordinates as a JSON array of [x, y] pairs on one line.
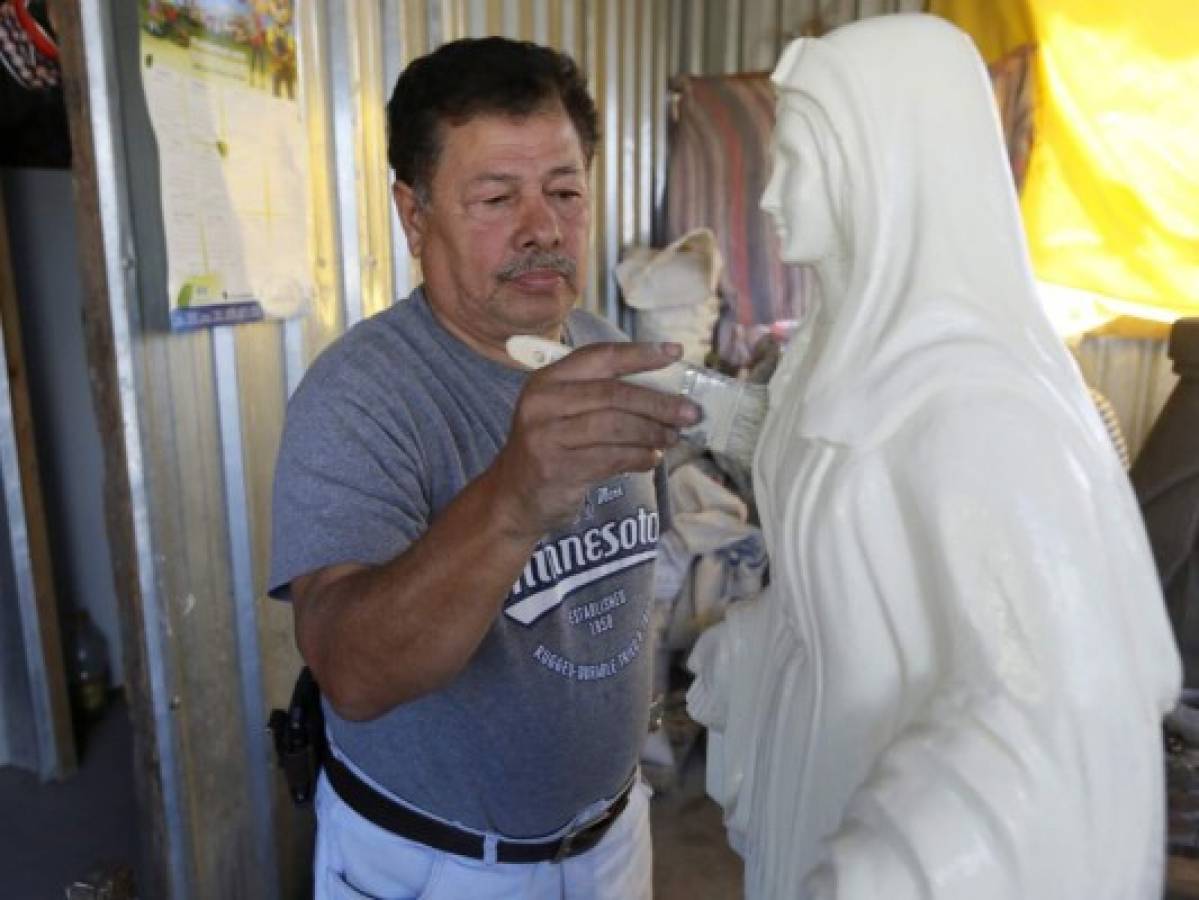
[[378, 636]]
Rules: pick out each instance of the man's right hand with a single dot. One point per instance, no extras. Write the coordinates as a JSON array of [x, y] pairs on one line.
[[576, 423]]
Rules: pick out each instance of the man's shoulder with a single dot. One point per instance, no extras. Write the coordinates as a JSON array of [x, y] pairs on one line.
[[372, 347], [406, 322]]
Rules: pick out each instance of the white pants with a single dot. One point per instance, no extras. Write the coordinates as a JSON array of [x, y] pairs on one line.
[[357, 860]]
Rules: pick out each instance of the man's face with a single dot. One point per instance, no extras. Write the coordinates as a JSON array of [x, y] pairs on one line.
[[502, 238]]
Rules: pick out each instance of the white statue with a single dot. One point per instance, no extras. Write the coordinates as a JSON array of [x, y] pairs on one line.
[[953, 686]]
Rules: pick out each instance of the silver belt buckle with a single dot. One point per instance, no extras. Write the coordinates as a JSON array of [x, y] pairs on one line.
[[569, 840], [564, 847]]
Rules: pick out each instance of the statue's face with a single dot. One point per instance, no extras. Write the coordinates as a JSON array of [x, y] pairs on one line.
[[798, 195]]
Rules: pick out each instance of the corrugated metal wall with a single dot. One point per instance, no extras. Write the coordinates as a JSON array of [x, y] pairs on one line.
[[709, 37], [205, 410]]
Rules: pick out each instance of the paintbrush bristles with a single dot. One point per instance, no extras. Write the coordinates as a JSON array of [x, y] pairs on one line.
[[733, 413], [747, 425]]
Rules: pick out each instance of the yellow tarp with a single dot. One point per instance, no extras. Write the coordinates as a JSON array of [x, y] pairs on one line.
[[1111, 199], [997, 26]]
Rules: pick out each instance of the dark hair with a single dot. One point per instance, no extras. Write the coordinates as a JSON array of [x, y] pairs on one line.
[[479, 76]]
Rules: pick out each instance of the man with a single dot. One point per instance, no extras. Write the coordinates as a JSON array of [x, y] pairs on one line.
[[469, 547]]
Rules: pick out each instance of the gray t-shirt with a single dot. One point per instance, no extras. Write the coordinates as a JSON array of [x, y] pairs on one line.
[[387, 427]]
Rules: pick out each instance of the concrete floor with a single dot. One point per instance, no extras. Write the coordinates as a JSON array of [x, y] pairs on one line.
[[692, 858], [52, 834]]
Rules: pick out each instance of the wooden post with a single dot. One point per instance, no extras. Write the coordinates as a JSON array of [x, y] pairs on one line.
[[106, 395]]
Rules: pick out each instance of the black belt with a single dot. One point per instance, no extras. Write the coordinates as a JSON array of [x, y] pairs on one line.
[[408, 823]]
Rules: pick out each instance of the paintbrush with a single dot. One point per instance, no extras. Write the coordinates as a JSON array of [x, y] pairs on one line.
[[733, 410]]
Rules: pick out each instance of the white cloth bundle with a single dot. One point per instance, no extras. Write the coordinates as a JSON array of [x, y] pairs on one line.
[[673, 291]]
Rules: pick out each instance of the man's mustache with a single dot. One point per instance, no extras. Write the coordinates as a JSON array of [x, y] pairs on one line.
[[539, 261]]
